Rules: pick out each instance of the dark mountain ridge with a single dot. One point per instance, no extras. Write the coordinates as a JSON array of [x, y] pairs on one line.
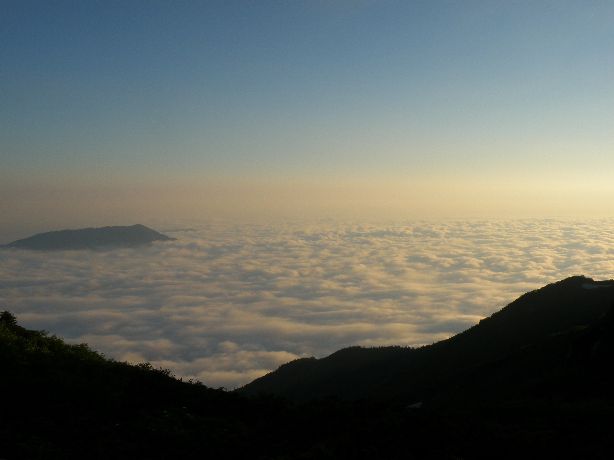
[[91, 238], [407, 375], [532, 381]]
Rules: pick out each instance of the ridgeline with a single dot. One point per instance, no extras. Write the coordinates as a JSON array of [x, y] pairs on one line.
[[532, 381]]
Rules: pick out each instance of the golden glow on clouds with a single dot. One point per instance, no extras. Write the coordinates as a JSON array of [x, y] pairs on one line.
[[227, 303]]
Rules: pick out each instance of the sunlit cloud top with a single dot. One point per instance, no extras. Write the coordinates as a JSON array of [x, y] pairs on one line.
[[227, 304]]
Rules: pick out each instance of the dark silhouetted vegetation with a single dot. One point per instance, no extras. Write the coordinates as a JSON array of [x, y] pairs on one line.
[[407, 375], [503, 389]]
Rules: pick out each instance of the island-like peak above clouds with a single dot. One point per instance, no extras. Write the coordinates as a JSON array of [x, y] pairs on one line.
[[91, 238]]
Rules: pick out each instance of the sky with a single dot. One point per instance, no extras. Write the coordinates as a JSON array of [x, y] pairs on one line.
[[335, 172], [123, 110]]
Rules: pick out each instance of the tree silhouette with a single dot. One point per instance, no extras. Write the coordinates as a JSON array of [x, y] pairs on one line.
[[8, 319]]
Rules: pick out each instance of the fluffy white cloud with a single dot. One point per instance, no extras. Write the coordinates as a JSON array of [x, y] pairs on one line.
[[228, 303]]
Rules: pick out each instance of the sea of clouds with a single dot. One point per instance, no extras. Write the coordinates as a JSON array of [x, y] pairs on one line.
[[227, 303]]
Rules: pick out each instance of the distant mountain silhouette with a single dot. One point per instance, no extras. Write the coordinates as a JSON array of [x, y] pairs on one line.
[[91, 238], [409, 375]]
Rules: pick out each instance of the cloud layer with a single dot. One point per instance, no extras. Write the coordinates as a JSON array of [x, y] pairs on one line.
[[226, 303]]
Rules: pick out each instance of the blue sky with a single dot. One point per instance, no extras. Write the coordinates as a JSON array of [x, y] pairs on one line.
[[158, 92]]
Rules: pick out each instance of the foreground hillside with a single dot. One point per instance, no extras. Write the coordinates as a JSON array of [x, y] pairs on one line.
[[406, 375], [63, 401], [533, 381]]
